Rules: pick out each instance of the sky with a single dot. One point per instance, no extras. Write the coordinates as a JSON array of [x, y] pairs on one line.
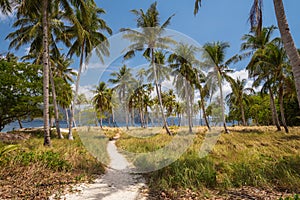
[[217, 20]]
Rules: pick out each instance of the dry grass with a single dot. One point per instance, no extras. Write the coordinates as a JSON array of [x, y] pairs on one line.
[[257, 157], [35, 172]]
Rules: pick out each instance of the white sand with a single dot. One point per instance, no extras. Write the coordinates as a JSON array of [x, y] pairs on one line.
[[118, 183]]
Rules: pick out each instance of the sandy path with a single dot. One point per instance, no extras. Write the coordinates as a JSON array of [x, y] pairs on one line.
[[118, 183]]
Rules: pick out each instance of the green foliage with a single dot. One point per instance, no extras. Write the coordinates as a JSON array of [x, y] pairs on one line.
[[295, 197], [20, 91]]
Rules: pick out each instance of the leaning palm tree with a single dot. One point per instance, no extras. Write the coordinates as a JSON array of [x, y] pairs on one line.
[[149, 37], [288, 41], [238, 96], [87, 37], [216, 54]]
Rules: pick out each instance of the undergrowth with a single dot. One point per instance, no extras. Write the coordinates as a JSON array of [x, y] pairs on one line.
[[28, 170]]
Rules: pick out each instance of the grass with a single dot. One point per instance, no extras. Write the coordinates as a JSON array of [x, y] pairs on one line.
[[28, 170], [249, 156]]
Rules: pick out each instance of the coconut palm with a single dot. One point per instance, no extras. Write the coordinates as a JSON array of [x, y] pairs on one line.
[[123, 84], [182, 62], [87, 37], [149, 37], [216, 56], [199, 78], [101, 100], [288, 41], [238, 96], [31, 31], [35, 10], [270, 67]]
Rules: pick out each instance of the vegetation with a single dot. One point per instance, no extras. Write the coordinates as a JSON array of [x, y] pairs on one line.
[[29, 171], [251, 155], [254, 156]]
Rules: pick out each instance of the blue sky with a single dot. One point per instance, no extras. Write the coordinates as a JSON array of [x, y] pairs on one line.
[[217, 20]]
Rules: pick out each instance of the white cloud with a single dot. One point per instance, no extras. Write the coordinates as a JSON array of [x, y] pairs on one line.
[[86, 90]]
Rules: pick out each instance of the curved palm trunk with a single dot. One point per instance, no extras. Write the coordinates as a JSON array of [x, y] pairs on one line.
[[274, 112], [20, 123], [288, 42], [282, 109], [56, 113], [47, 140], [204, 113], [159, 94], [70, 135], [222, 106]]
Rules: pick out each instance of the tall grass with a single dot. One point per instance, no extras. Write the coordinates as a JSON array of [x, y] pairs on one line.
[[251, 156]]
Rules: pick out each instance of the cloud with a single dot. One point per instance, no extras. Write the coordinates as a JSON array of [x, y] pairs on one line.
[[86, 90]]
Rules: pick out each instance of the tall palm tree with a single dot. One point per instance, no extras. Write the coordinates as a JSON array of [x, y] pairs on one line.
[[150, 37], [34, 9], [262, 74], [271, 66], [86, 38], [31, 31], [123, 84], [182, 62], [101, 100], [216, 54], [238, 96], [288, 41]]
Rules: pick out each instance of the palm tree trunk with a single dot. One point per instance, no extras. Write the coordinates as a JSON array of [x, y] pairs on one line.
[[47, 140], [273, 109], [56, 114], [159, 94], [67, 117], [222, 105], [100, 113], [70, 135], [288, 42], [282, 109], [204, 113], [113, 117], [188, 108], [20, 123], [243, 114]]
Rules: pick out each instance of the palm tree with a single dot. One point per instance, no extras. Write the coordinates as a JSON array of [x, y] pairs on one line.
[[6, 6], [123, 83], [86, 38], [182, 62], [101, 99], [150, 37], [238, 96], [272, 66], [260, 70], [34, 9], [216, 54], [288, 41], [254, 40], [81, 100], [198, 80]]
